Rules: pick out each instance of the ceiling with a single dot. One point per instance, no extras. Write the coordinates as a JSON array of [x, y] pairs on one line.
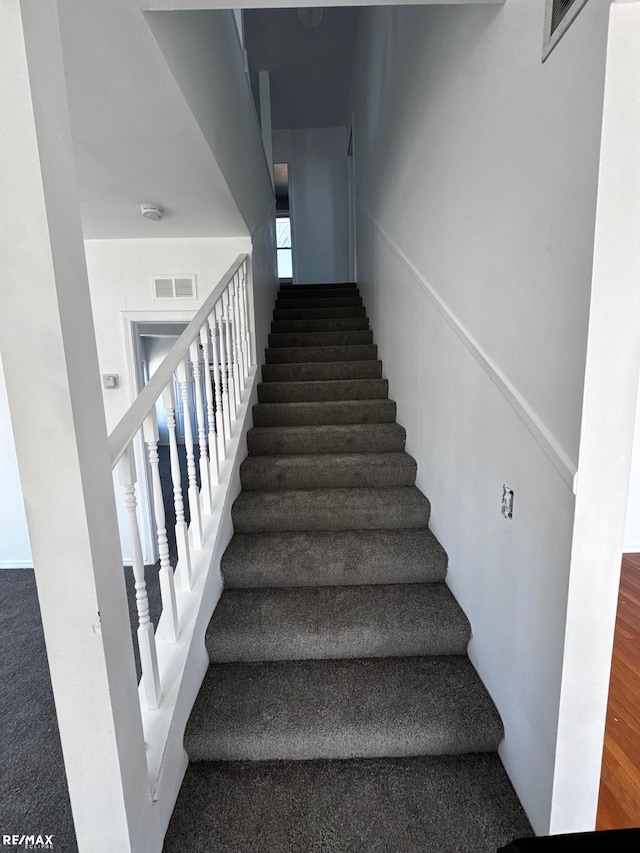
[[135, 138], [310, 67]]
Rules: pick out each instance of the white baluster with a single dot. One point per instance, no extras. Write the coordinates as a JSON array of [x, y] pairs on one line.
[[228, 396], [183, 569], [205, 480], [237, 337], [220, 419], [244, 329], [195, 525], [146, 638], [167, 585], [211, 420], [251, 331], [234, 390]]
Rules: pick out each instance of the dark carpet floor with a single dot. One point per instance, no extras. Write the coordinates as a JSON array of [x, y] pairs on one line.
[[33, 788]]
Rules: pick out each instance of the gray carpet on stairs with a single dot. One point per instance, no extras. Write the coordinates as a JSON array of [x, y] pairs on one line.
[[336, 558], [326, 438], [349, 708], [340, 711], [462, 804], [348, 622]]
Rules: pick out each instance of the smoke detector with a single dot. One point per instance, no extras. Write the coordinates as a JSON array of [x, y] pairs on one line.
[[151, 211]]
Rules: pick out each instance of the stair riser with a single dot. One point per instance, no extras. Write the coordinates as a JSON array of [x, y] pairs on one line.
[[321, 339], [345, 439], [275, 512], [322, 313], [321, 293], [322, 371], [325, 302], [269, 473], [333, 559], [298, 392], [346, 324], [324, 413], [311, 646], [304, 355], [338, 709], [346, 286], [358, 622]]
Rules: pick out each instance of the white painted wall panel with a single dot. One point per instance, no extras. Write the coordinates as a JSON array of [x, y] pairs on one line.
[[318, 191], [480, 166]]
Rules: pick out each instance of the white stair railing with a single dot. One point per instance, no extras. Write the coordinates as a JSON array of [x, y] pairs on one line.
[[212, 358]]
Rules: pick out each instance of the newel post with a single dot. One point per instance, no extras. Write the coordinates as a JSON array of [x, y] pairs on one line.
[[63, 455]]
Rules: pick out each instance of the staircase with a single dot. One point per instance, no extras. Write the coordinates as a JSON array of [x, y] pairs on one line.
[[340, 711]]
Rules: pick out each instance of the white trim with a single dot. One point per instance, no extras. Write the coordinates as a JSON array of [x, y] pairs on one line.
[[538, 429], [550, 39], [16, 564]]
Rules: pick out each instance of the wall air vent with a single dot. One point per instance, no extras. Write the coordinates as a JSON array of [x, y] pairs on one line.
[[174, 287], [559, 16]]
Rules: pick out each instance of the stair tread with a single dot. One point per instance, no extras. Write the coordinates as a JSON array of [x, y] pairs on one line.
[[336, 622], [352, 337], [316, 558], [326, 438], [324, 412], [351, 352], [357, 805], [365, 707], [319, 390], [330, 509], [310, 303], [321, 286], [325, 312], [318, 293], [337, 324], [322, 370], [328, 470]]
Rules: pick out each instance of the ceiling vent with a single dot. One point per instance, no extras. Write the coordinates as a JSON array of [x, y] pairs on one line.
[[174, 287], [559, 16]]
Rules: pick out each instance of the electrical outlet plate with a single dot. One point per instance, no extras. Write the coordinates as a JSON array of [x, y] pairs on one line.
[[507, 502]]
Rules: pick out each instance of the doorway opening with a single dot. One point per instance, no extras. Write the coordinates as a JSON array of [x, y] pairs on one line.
[[284, 243]]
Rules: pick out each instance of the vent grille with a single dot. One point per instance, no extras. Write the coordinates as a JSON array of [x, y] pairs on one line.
[[174, 287], [558, 10]]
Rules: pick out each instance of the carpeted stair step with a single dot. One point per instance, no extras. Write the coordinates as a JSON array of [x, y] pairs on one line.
[[293, 355], [328, 471], [319, 293], [319, 302], [327, 438], [366, 708], [315, 371], [322, 313], [321, 339], [439, 804], [317, 391], [336, 622], [324, 412], [336, 558], [330, 509], [338, 324], [333, 286]]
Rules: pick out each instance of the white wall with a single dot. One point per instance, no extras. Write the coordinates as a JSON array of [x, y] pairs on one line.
[[477, 171], [203, 51], [15, 551], [318, 193], [632, 524]]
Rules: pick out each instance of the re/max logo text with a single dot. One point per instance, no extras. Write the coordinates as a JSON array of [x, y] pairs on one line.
[[28, 842]]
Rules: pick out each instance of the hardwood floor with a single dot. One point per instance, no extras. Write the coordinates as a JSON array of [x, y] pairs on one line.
[[619, 802]]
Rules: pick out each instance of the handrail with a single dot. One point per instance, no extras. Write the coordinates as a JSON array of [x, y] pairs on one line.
[[125, 431]]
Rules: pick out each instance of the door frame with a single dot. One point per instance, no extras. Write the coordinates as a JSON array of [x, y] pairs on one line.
[[133, 321]]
